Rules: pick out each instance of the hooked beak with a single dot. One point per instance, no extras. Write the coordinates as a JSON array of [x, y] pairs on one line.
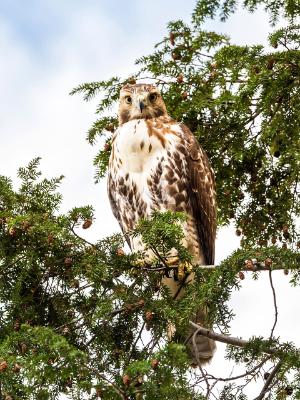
[[142, 106]]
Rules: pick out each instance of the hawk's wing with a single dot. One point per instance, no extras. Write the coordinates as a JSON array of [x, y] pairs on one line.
[[202, 195], [111, 190]]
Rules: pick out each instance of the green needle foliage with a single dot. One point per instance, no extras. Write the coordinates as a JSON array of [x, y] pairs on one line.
[[87, 320]]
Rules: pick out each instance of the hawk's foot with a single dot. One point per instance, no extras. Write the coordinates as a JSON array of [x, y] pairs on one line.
[[184, 268], [171, 329], [173, 260]]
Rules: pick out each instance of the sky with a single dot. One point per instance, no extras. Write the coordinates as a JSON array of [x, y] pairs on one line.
[[47, 48]]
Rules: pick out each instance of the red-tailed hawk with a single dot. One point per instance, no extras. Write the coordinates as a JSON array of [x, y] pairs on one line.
[[157, 164]]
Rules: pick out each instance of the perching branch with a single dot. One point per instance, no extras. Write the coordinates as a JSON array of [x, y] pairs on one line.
[[224, 338]]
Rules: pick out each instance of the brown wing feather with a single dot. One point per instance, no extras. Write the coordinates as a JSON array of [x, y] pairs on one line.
[[202, 195], [111, 190]]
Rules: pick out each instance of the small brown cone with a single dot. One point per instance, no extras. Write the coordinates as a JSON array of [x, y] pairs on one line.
[[68, 261], [3, 366], [176, 56], [110, 127], [139, 381], [184, 95], [87, 223], [154, 363], [268, 262], [50, 238], [141, 303], [23, 348], [17, 325], [17, 367], [270, 63], [249, 264], [107, 146], [66, 330], [172, 38], [12, 232], [120, 252], [126, 380], [179, 78], [241, 275], [149, 315]]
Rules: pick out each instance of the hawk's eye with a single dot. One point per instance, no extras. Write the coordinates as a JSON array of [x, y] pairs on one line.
[[153, 96], [128, 99]]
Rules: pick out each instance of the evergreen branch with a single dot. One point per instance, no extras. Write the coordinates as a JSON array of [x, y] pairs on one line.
[[269, 381], [116, 389], [255, 268], [251, 372], [80, 237]]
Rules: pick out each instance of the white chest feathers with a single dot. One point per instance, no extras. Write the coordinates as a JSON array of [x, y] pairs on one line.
[[139, 144]]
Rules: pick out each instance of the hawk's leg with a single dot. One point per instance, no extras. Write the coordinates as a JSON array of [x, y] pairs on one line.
[[183, 267]]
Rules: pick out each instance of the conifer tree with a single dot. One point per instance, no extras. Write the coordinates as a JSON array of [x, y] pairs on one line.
[[84, 319]]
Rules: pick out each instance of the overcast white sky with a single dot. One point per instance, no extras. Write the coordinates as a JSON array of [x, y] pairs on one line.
[[48, 47]]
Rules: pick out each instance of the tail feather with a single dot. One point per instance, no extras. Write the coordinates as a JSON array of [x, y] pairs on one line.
[[200, 348]]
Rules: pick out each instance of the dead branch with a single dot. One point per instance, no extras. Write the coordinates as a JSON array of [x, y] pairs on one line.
[[275, 303]]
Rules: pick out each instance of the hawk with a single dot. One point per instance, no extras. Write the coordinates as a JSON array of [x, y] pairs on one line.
[[156, 163]]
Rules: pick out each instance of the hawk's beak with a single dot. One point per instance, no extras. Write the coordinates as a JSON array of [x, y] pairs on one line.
[[142, 106]]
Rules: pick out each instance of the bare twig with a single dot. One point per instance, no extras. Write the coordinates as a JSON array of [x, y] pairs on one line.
[[136, 340], [250, 372], [116, 389], [81, 238], [275, 303]]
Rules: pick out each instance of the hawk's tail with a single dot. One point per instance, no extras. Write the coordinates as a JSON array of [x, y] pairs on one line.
[[200, 348]]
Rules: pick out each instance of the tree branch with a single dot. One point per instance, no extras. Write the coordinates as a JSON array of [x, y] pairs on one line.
[[224, 338], [268, 381], [257, 267], [275, 303]]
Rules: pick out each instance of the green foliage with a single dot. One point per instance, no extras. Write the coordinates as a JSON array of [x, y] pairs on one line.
[[72, 313], [275, 8], [84, 319], [161, 233]]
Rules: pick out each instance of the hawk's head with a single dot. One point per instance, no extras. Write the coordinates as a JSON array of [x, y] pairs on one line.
[[140, 101]]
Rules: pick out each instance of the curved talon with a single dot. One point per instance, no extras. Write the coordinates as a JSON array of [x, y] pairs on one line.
[[171, 329], [173, 260], [184, 268]]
